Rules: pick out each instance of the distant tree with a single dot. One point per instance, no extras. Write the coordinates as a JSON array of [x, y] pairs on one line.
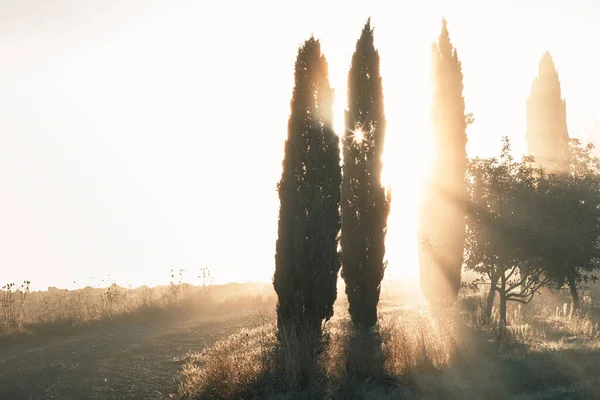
[[572, 210], [365, 203], [547, 134], [505, 228], [442, 222], [307, 261]]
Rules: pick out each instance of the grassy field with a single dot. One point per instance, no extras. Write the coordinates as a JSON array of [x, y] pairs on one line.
[[116, 343], [61, 311], [219, 342], [56, 311], [547, 352]]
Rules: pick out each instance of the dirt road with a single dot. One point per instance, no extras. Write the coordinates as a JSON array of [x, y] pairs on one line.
[[116, 362]]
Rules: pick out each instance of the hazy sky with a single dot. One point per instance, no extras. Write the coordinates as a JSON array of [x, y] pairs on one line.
[[139, 136]]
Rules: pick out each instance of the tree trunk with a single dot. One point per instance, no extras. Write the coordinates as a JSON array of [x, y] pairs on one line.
[[490, 299], [522, 307], [574, 293], [502, 309], [503, 301]]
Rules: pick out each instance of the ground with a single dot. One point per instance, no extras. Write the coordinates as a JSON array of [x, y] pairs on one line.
[[132, 361], [546, 353], [146, 354]]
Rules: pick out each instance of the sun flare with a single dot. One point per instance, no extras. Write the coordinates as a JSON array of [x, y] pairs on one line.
[[358, 135]]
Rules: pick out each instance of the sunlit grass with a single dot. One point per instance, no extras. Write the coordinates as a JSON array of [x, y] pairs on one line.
[[410, 354], [59, 311]]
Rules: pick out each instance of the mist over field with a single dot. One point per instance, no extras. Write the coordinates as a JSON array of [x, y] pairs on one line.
[[340, 200]]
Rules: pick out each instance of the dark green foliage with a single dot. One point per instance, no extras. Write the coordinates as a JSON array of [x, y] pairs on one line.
[[442, 223], [572, 217], [365, 203], [307, 259], [506, 225], [547, 135], [527, 229]]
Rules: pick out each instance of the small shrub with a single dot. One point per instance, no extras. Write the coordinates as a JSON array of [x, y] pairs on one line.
[[12, 300]]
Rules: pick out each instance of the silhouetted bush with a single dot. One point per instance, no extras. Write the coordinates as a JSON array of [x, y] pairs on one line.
[[365, 203], [306, 260]]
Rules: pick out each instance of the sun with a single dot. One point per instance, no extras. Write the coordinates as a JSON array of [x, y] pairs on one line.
[[402, 176], [358, 135]]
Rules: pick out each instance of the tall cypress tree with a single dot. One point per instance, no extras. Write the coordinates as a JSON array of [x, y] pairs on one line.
[[365, 204], [547, 135], [443, 208], [307, 261]]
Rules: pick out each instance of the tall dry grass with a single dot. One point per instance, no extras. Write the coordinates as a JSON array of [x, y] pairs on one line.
[[410, 354], [404, 343], [59, 311], [231, 368]]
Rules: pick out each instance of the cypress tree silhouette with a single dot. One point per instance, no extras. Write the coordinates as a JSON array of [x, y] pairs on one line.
[[547, 134], [442, 222], [307, 261], [365, 203]]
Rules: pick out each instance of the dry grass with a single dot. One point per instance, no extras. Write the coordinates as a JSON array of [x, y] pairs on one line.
[[253, 364], [60, 311], [410, 355], [231, 368]]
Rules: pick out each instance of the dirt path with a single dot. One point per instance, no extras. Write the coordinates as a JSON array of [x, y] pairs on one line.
[[117, 362]]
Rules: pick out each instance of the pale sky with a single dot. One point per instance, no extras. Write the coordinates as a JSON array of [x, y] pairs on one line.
[[139, 136]]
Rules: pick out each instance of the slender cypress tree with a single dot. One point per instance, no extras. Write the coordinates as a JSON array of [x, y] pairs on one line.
[[365, 204], [547, 135], [443, 207], [307, 261]]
